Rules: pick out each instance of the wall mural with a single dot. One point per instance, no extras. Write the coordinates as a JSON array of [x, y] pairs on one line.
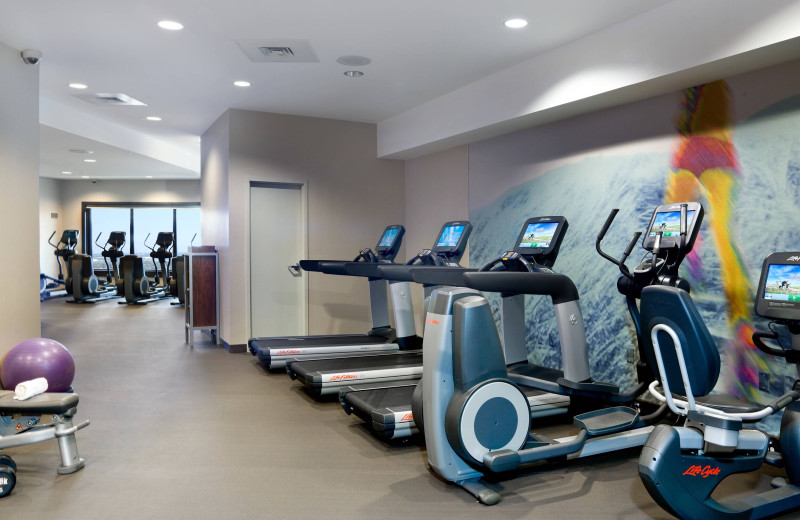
[[746, 173]]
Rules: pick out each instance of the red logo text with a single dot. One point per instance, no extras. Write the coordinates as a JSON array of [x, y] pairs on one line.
[[701, 471], [343, 377]]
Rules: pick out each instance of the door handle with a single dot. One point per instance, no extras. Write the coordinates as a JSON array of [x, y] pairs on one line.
[[295, 270]]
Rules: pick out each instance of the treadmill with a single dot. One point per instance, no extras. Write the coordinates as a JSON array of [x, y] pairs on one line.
[[386, 408], [324, 377], [276, 352]]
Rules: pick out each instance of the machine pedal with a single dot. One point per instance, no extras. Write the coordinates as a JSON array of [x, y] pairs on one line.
[[606, 420], [774, 458]]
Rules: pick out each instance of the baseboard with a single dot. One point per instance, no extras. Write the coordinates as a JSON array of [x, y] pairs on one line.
[[240, 348]]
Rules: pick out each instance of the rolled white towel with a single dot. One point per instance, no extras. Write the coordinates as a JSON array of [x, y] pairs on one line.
[[27, 389]]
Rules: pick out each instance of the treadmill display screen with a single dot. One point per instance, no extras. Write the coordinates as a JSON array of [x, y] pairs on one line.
[[669, 223], [538, 234], [388, 238], [782, 283], [450, 236]]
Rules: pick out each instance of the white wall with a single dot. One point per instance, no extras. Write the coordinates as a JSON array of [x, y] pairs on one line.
[[352, 196], [214, 207], [49, 204], [436, 191], [19, 176]]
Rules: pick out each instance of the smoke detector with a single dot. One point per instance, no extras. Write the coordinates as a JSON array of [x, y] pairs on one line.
[[278, 51]]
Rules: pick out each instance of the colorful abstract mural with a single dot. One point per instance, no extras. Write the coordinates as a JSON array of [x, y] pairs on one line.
[[745, 172]]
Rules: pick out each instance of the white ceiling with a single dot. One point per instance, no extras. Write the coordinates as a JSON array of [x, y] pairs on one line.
[[420, 51]]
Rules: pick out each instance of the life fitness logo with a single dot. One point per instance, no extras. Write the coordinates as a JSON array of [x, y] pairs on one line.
[[288, 351], [343, 377], [701, 471], [407, 417]]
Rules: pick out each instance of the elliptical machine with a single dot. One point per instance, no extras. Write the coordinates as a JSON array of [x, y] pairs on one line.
[[682, 466], [112, 250], [136, 286], [63, 251], [84, 286], [476, 416]]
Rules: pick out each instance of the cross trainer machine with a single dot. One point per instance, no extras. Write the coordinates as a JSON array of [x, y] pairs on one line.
[[112, 250], [387, 408], [276, 352], [136, 286], [476, 416], [84, 286], [681, 466], [63, 251], [21, 423], [326, 376]]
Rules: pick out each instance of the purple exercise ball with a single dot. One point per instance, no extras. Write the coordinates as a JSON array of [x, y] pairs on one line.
[[38, 357]]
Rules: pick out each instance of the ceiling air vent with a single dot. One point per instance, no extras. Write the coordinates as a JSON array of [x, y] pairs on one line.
[[278, 51], [117, 99]]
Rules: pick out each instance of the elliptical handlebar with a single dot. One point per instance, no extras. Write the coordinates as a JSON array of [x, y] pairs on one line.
[[50, 240], [621, 262], [103, 247], [145, 243]]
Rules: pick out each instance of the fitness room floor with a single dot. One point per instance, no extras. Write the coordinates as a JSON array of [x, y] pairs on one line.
[[197, 433]]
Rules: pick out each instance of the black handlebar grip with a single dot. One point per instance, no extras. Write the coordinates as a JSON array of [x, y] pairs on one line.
[[632, 243], [607, 224], [772, 351]]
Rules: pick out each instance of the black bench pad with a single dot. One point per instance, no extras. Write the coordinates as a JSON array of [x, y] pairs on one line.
[[37, 405]]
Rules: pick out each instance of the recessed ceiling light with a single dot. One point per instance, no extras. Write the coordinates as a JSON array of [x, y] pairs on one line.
[[67, 173], [90, 160], [153, 118], [84, 176], [170, 25], [353, 61], [353, 73], [79, 86], [242, 83], [515, 23], [148, 176], [80, 150]]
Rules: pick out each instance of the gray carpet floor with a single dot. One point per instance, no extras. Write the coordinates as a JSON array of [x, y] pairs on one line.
[[197, 433]]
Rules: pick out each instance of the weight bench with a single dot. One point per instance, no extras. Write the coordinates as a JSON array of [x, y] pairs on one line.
[[21, 424]]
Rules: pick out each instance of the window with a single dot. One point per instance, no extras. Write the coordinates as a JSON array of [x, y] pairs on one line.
[[137, 221]]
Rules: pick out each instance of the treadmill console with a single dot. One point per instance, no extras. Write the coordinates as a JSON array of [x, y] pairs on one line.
[[667, 219], [452, 239], [778, 295], [389, 243], [540, 239]]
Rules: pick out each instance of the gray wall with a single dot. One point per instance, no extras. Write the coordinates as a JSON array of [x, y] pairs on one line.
[[437, 190], [19, 176], [352, 196]]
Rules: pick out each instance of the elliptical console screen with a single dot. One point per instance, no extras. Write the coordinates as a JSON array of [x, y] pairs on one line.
[[667, 219], [669, 223], [778, 295]]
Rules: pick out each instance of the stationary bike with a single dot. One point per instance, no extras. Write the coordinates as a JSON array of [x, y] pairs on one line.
[[681, 466]]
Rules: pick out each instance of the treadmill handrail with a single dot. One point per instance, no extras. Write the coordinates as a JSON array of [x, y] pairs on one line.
[[558, 286], [436, 275]]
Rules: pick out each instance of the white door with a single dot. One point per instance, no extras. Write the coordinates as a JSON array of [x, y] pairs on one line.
[[277, 243]]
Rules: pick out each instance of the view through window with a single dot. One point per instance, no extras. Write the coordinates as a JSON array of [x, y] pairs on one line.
[[137, 221]]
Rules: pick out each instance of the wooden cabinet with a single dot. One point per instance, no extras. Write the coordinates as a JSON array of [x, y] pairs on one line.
[[201, 271]]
